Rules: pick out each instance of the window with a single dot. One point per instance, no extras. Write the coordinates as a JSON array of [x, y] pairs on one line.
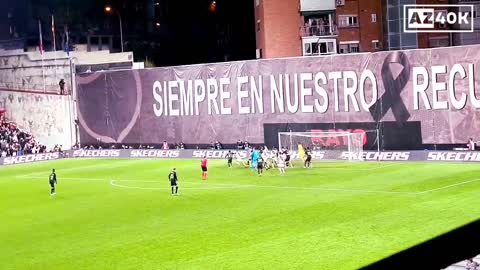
[[376, 44], [327, 47], [314, 47], [349, 47], [348, 20], [436, 42], [257, 3], [330, 47], [340, 2], [476, 11], [374, 17], [258, 25], [308, 48], [354, 48]]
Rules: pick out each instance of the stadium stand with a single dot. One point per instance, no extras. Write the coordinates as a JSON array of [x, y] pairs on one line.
[[16, 142]]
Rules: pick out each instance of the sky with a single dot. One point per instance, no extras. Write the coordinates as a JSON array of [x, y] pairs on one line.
[[188, 31]]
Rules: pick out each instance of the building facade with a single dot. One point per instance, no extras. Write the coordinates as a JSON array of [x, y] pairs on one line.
[[396, 39], [311, 27], [468, 38]]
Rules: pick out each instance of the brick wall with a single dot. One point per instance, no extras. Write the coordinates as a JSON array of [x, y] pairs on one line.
[[259, 26], [367, 30], [370, 30], [281, 28], [349, 33]]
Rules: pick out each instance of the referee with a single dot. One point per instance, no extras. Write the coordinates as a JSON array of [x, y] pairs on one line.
[[53, 181], [172, 176]]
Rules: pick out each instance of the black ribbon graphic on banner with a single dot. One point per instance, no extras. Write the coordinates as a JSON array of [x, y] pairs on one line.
[[393, 87]]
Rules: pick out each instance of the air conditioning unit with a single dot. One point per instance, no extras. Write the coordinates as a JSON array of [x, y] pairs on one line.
[[340, 2]]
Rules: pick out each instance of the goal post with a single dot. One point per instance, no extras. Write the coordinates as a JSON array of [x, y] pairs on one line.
[[340, 141]]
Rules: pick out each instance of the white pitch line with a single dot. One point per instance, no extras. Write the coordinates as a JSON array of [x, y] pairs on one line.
[[112, 182], [117, 164], [450, 186], [235, 186], [342, 190], [35, 178], [200, 182]]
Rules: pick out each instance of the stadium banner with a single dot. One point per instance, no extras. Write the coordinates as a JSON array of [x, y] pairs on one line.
[[430, 92], [318, 155], [30, 158], [183, 154]]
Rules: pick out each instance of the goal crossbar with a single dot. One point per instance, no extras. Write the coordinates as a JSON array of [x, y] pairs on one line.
[[344, 141]]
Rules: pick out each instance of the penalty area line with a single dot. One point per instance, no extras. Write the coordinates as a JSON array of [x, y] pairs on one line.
[[211, 185], [240, 186], [113, 183], [36, 178], [450, 186]]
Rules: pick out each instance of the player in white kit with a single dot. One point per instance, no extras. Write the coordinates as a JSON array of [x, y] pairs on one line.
[[281, 163]]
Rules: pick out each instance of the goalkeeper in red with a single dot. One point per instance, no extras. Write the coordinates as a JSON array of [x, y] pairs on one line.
[[203, 165]]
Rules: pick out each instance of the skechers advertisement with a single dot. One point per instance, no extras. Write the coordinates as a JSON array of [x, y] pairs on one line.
[[327, 155]]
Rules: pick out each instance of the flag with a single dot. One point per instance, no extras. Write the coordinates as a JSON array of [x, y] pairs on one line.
[[53, 34], [67, 41], [301, 151], [40, 44]]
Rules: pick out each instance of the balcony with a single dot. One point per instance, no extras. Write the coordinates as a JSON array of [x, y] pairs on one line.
[[318, 30]]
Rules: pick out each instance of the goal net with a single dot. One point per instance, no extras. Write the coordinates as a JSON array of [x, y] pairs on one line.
[[340, 141]]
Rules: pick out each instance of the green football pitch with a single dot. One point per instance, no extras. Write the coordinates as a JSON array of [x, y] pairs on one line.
[[119, 214]]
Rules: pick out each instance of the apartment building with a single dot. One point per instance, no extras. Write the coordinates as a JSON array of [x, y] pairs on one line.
[[396, 39], [468, 38], [287, 28], [311, 27]]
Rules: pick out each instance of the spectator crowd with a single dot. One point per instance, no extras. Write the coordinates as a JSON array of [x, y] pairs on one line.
[[214, 145], [16, 142], [242, 145]]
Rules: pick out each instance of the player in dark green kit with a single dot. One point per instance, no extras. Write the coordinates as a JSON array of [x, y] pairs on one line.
[[308, 158], [53, 181], [172, 176], [229, 159]]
